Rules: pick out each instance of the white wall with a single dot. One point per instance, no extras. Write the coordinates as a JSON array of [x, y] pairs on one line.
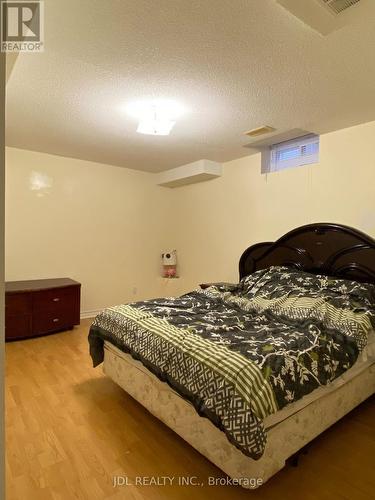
[[106, 226], [98, 224], [218, 219]]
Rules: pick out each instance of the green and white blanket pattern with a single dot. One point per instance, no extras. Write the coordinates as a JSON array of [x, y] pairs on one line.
[[239, 353]]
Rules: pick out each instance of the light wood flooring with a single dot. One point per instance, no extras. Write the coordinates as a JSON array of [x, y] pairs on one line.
[[70, 430]]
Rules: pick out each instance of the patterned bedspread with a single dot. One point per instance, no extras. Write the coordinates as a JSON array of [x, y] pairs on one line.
[[240, 352]]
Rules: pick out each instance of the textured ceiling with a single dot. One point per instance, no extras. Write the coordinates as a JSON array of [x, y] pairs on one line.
[[235, 64]]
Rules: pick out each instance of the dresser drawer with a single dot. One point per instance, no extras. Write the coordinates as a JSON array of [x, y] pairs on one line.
[[58, 300], [44, 322], [38, 307], [18, 327], [18, 304]]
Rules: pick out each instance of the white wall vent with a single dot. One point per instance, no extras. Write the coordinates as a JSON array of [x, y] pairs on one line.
[[337, 6], [326, 16], [198, 171]]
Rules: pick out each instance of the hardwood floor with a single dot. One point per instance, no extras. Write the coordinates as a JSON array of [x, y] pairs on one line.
[[70, 430]]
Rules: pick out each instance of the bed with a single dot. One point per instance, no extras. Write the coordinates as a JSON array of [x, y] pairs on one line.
[[270, 362]]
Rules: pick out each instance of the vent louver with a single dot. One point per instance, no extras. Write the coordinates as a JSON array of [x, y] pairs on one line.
[[338, 6], [264, 129], [326, 16]]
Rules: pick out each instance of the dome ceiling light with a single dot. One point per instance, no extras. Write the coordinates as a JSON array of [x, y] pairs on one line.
[[156, 116]]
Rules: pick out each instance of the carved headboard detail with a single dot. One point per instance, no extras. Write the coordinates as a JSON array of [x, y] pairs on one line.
[[323, 248]]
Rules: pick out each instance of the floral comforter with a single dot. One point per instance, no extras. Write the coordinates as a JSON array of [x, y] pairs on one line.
[[241, 352]]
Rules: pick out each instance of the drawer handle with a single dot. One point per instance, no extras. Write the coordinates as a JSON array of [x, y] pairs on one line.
[[56, 320], [56, 299]]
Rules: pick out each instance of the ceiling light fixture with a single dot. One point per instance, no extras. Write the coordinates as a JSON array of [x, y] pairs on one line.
[[156, 117]]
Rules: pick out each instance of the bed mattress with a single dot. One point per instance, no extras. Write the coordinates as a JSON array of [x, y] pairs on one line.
[[283, 439], [365, 360]]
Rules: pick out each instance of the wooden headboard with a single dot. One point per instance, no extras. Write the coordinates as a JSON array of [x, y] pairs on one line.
[[329, 249]]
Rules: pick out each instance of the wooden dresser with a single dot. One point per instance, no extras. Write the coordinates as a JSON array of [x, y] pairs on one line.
[[38, 307]]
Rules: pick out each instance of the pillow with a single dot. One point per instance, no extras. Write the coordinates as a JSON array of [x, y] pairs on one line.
[[280, 281]]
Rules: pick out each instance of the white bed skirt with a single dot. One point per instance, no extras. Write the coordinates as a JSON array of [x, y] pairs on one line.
[[283, 439]]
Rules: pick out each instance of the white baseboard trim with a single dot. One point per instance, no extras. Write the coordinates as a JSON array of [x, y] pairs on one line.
[[90, 314]]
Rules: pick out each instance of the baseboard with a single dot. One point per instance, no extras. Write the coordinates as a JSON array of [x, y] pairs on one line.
[[90, 314]]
